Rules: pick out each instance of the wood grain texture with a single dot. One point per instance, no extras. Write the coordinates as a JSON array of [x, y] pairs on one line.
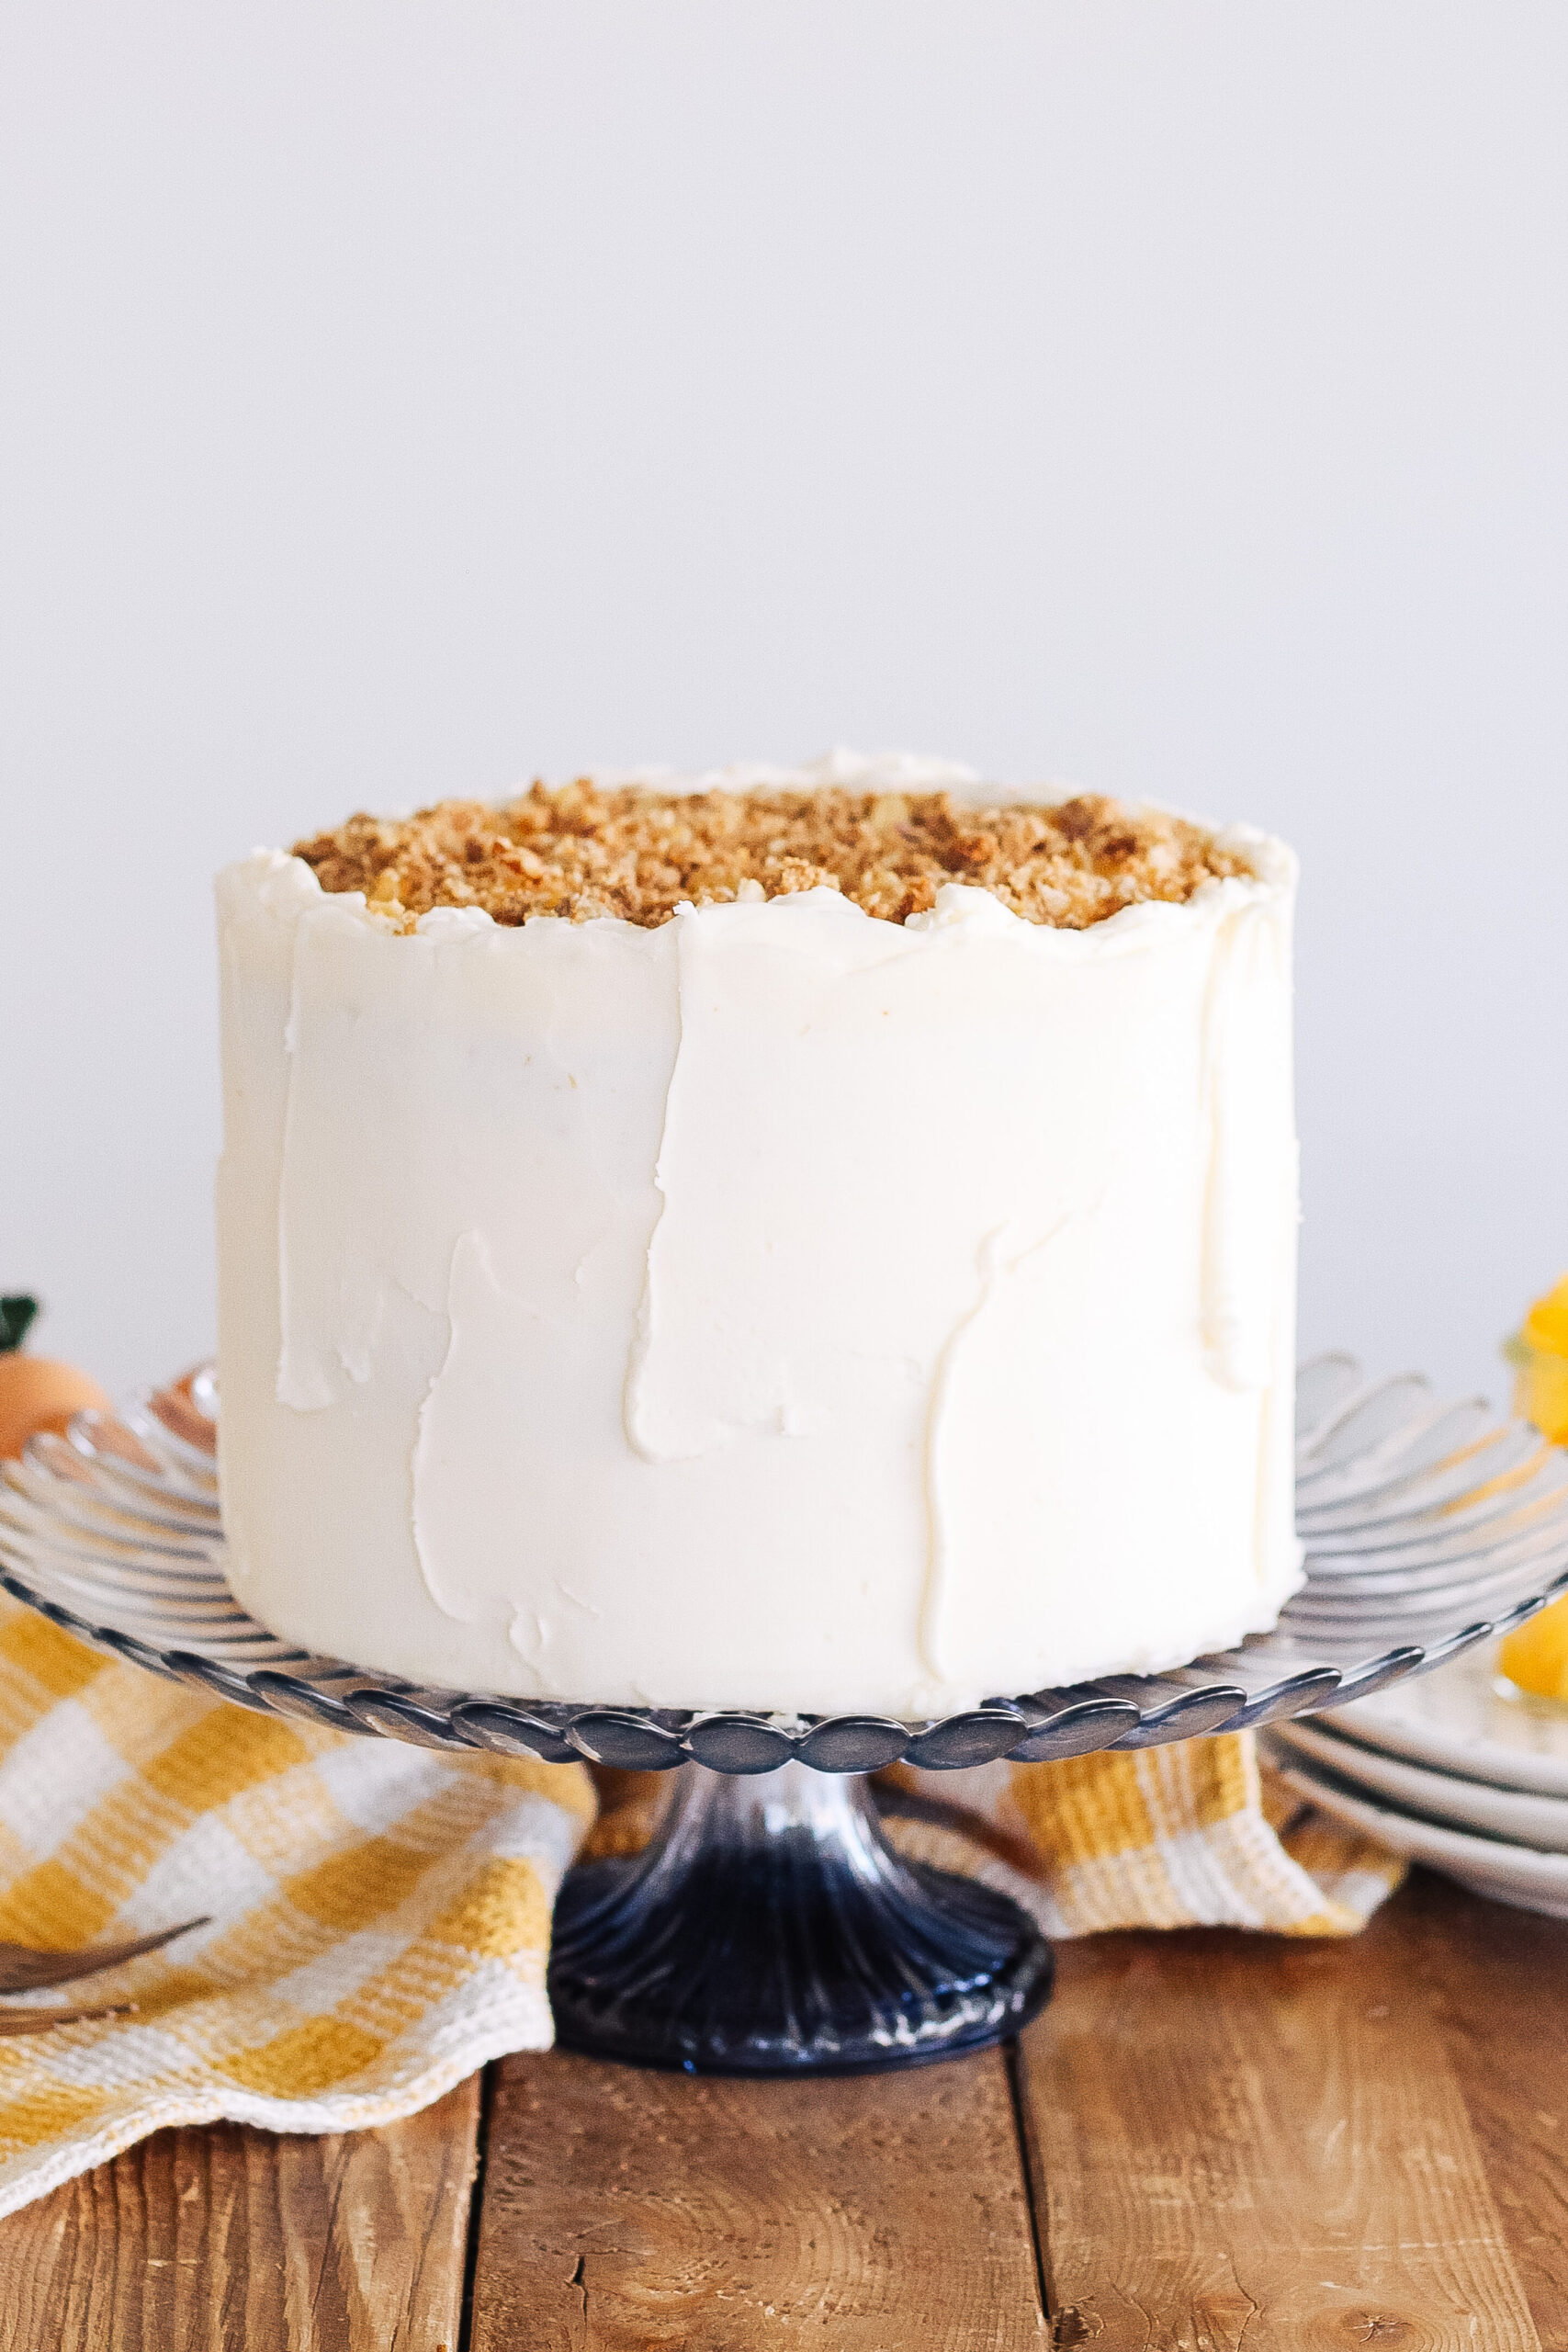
[[626, 2210], [1498, 1981], [232, 2240], [1249, 2141]]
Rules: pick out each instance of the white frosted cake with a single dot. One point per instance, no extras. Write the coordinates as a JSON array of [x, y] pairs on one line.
[[819, 1240]]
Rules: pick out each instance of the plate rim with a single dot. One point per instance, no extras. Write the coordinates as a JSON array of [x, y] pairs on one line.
[[1388, 1725], [1307, 1736], [1484, 1857]]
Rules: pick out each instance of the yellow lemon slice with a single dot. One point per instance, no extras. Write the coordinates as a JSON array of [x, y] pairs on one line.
[[1541, 1393], [1546, 1325], [1536, 1657]]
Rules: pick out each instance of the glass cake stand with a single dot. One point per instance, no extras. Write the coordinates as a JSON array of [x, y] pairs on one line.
[[769, 1927]]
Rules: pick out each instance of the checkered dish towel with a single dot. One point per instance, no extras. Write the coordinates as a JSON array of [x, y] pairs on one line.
[[381, 1913]]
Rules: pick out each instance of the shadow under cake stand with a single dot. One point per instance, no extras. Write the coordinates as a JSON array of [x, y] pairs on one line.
[[769, 1927]]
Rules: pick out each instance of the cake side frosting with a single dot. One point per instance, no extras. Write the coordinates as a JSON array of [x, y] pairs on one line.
[[775, 1308]]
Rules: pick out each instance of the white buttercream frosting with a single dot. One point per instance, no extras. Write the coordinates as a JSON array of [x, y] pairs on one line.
[[779, 1308]]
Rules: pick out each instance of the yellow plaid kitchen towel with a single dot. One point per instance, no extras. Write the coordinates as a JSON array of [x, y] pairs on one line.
[[1191, 1836], [379, 1914]]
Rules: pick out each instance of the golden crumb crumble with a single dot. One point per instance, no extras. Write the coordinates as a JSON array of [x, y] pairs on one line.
[[577, 851]]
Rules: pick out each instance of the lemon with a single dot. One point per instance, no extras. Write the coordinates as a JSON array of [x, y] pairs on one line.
[[1546, 1325], [1535, 1659]]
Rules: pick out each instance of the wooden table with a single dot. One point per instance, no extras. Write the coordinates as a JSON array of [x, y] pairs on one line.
[[1209, 2141]]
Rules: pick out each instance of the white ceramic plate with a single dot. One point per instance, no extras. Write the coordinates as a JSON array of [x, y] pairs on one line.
[[1454, 1721], [1526, 1820], [1515, 1874]]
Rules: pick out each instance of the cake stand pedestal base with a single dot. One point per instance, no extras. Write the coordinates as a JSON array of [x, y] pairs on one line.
[[769, 1928]]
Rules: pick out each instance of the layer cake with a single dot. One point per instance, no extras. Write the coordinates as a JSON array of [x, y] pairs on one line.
[[814, 1241]]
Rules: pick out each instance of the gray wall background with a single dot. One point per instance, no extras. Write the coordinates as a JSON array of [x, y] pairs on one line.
[[1162, 395]]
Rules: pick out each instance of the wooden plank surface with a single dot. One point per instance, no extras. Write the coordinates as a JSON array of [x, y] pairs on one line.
[[1241, 2140], [628, 2210], [1498, 1980], [231, 2240]]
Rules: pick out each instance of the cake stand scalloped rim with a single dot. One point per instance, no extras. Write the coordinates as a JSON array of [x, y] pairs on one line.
[[1386, 1480]]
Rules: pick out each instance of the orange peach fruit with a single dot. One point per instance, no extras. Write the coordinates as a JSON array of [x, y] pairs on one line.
[[38, 1394]]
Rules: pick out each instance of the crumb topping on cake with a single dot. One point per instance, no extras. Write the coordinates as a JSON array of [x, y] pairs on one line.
[[578, 850]]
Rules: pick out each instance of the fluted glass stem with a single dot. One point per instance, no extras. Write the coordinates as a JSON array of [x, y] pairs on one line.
[[770, 1928]]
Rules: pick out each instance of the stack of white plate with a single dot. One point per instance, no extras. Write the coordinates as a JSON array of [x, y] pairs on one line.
[[1450, 1770]]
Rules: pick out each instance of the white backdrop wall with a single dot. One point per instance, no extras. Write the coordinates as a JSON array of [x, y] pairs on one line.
[[1163, 395]]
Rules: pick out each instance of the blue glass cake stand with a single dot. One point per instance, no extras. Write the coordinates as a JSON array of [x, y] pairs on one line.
[[769, 1927]]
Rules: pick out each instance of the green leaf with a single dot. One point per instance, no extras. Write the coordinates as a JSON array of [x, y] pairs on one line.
[[16, 1314]]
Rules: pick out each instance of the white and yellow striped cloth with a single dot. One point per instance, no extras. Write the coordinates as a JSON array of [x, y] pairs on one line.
[[380, 1914], [1191, 1836]]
